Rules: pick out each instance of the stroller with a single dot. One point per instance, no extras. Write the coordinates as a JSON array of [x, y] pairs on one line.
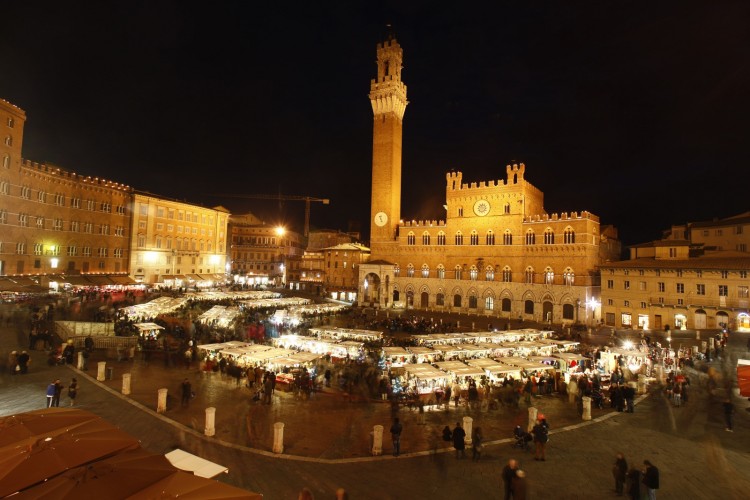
[[522, 437]]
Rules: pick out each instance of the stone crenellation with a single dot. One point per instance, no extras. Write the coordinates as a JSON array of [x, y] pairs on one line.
[[562, 216], [49, 169]]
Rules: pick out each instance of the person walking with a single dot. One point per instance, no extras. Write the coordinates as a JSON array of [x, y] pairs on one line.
[[650, 479], [187, 392], [728, 412], [73, 391], [476, 444], [620, 472], [58, 392], [541, 436], [509, 473], [396, 429], [50, 394], [459, 437]]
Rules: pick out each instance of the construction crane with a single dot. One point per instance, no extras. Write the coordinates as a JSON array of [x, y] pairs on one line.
[[284, 197]]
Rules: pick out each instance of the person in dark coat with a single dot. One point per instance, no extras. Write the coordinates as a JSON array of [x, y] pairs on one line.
[[459, 435], [650, 479], [187, 392], [620, 471], [519, 485], [509, 473], [634, 484]]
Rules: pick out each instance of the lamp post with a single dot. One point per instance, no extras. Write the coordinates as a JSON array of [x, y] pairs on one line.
[[280, 231]]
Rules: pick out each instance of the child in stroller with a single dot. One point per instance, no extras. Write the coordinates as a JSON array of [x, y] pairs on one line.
[[522, 437]]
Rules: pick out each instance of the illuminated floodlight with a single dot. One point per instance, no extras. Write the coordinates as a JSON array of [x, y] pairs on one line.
[[280, 230], [53, 262], [150, 256], [628, 344]]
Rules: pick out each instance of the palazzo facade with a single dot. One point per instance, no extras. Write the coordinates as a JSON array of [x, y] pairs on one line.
[[498, 252]]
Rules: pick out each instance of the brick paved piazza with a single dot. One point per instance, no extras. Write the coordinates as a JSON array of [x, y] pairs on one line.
[[327, 438]]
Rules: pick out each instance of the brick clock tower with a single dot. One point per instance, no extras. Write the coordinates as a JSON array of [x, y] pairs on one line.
[[388, 99]]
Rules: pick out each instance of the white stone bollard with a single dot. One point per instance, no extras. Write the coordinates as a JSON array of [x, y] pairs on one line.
[[100, 376], [126, 383], [211, 421], [278, 437], [586, 408], [695, 349], [377, 440], [81, 361], [467, 429], [711, 342], [532, 418], [161, 403]]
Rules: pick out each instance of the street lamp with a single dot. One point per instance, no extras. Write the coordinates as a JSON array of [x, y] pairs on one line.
[[280, 231]]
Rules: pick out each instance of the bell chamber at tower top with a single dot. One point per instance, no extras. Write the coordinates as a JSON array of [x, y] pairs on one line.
[[387, 91]]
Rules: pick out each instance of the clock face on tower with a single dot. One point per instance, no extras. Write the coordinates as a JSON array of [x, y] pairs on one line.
[[381, 219], [482, 208]]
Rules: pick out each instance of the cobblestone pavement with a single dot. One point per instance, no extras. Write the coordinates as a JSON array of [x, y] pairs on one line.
[[327, 438]]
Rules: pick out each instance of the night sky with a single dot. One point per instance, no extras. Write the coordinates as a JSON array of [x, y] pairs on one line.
[[635, 111]]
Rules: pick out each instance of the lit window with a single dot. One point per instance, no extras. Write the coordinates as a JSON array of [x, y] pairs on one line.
[[473, 273], [425, 271], [6, 161], [489, 273], [507, 275]]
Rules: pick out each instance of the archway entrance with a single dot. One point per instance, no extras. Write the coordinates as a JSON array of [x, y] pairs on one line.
[[371, 289], [547, 308], [409, 299], [700, 319], [743, 322], [424, 300]]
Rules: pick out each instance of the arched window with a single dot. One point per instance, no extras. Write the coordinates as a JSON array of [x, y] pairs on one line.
[[568, 311], [530, 237], [549, 236], [507, 237], [440, 299], [456, 300], [441, 272], [411, 239], [410, 271], [529, 275], [441, 238], [489, 273], [489, 303], [474, 238], [472, 302], [473, 273], [549, 276], [6, 161], [569, 236], [506, 209], [457, 272], [396, 271], [459, 238], [528, 307], [569, 277], [460, 211], [8, 141], [425, 271], [425, 238], [507, 275], [490, 238]]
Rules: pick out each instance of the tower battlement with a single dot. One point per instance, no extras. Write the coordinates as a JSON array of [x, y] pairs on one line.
[[560, 217], [423, 223]]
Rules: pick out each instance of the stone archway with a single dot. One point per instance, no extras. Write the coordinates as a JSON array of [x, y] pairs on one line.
[[547, 311], [371, 289], [424, 300]]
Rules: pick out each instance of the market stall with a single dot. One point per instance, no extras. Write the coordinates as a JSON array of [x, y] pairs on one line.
[[336, 333], [148, 331]]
